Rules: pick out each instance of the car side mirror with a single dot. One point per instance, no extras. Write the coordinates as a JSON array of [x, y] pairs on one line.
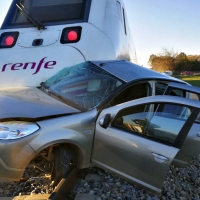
[[104, 121]]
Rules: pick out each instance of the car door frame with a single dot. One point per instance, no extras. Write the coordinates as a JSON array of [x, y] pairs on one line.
[[150, 100], [188, 88], [193, 138]]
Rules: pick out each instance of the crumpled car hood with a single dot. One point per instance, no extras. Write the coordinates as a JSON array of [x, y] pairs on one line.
[[31, 102]]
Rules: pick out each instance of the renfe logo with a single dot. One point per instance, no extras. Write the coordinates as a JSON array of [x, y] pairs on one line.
[[30, 65]]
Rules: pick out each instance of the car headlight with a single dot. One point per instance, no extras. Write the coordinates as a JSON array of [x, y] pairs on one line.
[[16, 129]]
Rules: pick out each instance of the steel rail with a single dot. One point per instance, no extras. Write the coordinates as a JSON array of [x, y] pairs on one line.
[[66, 185]]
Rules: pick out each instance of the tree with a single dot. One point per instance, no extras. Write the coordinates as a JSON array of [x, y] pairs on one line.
[[182, 62], [163, 61], [169, 58], [155, 62]]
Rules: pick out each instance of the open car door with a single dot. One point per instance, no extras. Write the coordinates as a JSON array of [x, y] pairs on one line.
[[191, 145], [139, 139]]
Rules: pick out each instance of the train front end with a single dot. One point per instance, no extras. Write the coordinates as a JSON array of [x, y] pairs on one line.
[[40, 37]]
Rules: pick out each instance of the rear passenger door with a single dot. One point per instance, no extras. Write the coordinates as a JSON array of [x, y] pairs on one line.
[[191, 143]]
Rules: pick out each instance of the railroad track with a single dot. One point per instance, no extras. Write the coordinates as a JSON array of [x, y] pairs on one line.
[[64, 188], [66, 185]]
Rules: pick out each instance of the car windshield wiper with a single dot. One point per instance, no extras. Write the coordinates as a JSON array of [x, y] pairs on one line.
[[44, 87], [32, 19]]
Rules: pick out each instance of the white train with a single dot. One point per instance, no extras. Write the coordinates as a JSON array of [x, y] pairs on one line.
[[40, 37]]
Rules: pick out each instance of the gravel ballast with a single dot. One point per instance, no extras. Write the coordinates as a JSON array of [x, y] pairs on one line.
[[180, 183]]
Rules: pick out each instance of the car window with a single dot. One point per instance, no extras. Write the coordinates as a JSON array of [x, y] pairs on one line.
[[194, 96], [161, 87], [83, 86], [163, 125], [178, 92], [133, 92]]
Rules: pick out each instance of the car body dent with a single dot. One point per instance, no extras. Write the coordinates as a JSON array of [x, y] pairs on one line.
[[30, 103], [130, 72]]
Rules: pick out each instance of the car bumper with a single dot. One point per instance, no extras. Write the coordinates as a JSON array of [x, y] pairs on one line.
[[14, 157]]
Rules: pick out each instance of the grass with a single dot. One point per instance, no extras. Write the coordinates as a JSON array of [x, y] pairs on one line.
[[193, 80]]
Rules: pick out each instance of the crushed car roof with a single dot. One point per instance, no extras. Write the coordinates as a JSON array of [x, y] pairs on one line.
[[128, 71]]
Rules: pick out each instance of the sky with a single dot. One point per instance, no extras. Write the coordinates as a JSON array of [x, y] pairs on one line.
[[157, 24]]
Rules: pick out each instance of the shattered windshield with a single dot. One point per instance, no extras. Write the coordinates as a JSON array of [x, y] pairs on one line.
[[48, 12], [82, 86]]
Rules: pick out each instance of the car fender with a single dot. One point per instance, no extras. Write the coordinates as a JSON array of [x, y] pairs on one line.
[[76, 130]]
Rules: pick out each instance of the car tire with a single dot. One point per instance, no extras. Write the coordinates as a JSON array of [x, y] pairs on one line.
[[62, 162]]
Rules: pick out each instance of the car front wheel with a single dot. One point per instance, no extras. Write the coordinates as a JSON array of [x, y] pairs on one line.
[[62, 163]]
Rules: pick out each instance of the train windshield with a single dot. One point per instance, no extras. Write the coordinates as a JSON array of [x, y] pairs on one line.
[[46, 11]]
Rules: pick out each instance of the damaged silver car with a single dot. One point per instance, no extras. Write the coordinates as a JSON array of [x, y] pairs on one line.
[[115, 115]]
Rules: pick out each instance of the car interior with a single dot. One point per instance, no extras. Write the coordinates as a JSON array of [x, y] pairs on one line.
[[136, 91]]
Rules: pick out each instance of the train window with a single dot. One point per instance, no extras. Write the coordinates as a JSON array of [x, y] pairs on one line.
[[119, 10], [51, 11], [124, 20]]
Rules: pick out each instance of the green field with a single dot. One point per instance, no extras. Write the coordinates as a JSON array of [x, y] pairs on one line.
[[193, 80]]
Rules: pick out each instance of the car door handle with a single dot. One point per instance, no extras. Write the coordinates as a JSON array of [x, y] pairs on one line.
[[159, 158]]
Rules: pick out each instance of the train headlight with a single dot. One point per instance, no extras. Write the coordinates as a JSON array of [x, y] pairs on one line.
[[71, 35], [8, 39], [16, 129]]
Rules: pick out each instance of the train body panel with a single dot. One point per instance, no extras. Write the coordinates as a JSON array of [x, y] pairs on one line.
[[36, 55]]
